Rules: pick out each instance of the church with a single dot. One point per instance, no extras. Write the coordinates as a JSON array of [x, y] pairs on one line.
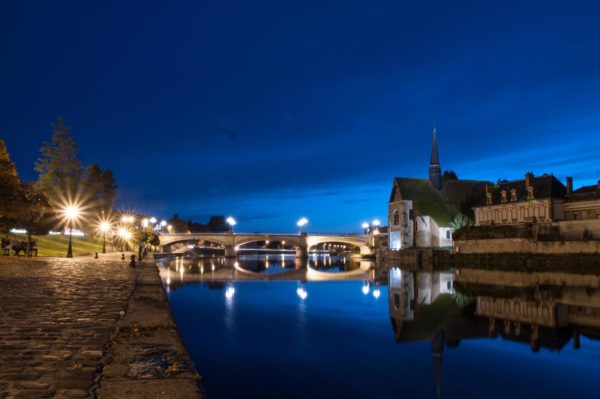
[[421, 212]]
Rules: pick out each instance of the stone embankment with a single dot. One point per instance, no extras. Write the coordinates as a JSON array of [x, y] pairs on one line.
[[85, 328]]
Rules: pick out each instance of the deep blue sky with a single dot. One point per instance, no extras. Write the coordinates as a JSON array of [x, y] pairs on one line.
[[274, 110]]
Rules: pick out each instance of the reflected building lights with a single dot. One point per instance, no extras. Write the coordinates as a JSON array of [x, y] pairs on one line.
[[366, 288]]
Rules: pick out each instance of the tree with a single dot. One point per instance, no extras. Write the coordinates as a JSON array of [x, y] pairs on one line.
[[217, 224], [10, 184], [59, 168], [179, 225], [100, 188], [449, 175], [34, 204], [475, 198]]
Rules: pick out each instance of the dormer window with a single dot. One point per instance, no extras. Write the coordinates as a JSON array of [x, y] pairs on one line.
[[489, 198], [530, 193], [513, 195], [503, 196]]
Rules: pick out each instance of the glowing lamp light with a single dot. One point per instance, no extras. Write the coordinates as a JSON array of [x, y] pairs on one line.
[[163, 223], [145, 222], [376, 223], [365, 225], [366, 288], [302, 222], [301, 292], [104, 227], [231, 221], [229, 292], [71, 212], [376, 293], [153, 220]]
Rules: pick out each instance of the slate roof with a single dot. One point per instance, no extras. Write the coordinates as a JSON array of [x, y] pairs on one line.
[[544, 187], [584, 193]]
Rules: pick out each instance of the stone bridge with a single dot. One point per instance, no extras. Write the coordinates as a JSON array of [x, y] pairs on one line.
[[232, 242]]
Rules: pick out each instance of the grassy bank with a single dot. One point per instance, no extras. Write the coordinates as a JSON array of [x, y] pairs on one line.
[[56, 245]]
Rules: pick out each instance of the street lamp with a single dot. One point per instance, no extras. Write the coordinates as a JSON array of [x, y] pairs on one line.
[[231, 222], [145, 223], [153, 220], [365, 227], [301, 223], [163, 223], [71, 213], [104, 228], [125, 236]]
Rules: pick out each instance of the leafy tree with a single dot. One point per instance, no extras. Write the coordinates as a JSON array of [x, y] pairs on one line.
[[449, 175], [59, 168], [179, 225], [217, 224], [33, 210], [474, 198], [100, 188], [460, 221], [10, 184]]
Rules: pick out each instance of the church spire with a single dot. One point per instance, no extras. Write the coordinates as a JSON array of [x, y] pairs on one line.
[[435, 171], [434, 149]]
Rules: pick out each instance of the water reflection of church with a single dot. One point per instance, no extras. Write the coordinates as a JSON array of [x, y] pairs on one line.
[[542, 310]]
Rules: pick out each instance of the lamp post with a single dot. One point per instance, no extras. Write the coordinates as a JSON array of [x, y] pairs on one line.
[[301, 223], [231, 222], [104, 228], [71, 213], [365, 227]]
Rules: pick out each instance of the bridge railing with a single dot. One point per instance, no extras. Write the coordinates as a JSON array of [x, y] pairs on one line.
[[266, 234]]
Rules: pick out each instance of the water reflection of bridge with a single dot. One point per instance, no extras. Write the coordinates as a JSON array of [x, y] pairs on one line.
[[231, 243], [182, 270]]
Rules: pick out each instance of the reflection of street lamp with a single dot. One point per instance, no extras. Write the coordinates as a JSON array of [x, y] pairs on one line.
[[376, 292], [366, 288], [70, 213], [301, 223], [104, 228], [231, 222]]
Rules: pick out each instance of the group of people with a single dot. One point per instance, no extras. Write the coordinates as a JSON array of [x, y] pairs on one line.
[[17, 247]]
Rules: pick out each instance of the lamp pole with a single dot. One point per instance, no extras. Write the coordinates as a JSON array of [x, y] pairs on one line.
[[70, 247], [104, 243]]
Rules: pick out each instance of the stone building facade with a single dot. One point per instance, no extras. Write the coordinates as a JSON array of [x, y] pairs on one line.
[[530, 200]]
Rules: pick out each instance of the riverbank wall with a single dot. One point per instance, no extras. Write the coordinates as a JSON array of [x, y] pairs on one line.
[[146, 357]]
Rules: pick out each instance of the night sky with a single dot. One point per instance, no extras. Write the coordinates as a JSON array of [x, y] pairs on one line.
[[269, 111]]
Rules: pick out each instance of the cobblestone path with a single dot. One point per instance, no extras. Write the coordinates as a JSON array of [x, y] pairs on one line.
[[56, 319]]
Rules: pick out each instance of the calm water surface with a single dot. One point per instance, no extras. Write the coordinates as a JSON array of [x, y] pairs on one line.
[[412, 335]]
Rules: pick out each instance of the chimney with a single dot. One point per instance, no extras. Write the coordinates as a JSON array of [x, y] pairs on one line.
[[569, 185], [528, 179]]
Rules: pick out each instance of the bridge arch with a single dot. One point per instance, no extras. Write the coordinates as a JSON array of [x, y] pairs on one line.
[[362, 242]]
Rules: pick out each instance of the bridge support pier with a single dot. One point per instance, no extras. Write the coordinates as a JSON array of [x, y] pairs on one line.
[[230, 251], [301, 252]]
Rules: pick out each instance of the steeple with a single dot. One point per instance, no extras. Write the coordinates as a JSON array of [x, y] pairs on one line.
[[435, 171], [434, 149]]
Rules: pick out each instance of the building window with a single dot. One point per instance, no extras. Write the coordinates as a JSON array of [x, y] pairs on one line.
[[448, 234], [396, 220], [503, 194], [410, 214]]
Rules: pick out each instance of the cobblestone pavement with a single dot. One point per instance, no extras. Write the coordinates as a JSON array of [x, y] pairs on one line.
[[56, 320]]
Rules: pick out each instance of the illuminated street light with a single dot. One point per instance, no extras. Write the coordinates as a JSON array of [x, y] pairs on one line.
[[169, 228], [153, 220], [125, 235], [104, 228], [376, 223], [301, 223], [163, 223], [145, 223], [365, 227], [71, 212], [231, 222]]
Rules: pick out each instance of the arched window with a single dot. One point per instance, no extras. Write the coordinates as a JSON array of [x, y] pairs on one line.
[[396, 219]]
